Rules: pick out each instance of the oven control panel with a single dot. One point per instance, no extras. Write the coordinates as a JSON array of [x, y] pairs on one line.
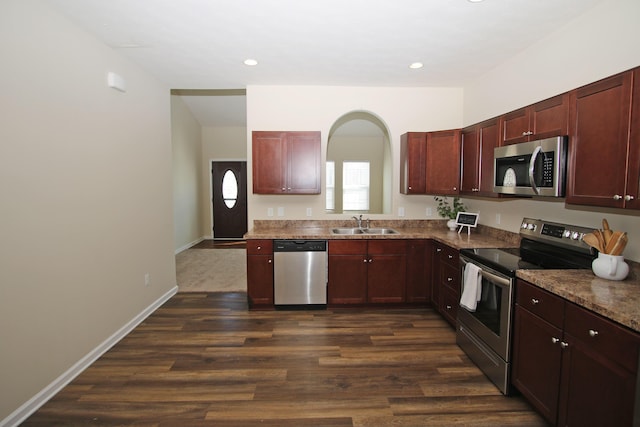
[[564, 234]]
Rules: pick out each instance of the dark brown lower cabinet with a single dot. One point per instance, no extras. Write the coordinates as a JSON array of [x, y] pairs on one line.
[[367, 271], [446, 281], [418, 271], [574, 366], [260, 273]]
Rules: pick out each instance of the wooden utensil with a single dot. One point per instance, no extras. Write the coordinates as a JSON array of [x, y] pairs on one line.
[[600, 237], [607, 233], [591, 240], [621, 243], [613, 240]]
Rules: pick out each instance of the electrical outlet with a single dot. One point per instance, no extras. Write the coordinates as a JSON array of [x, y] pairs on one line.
[[429, 212], [400, 211], [269, 211], [280, 211], [147, 279], [309, 212], [498, 218]]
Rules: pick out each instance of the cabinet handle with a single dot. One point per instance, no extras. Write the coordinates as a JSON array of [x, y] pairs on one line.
[[628, 197], [370, 260], [284, 189], [410, 188], [555, 340], [449, 307], [269, 262], [524, 133], [617, 197], [564, 344], [366, 260], [450, 256], [449, 279], [438, 250], [535, 301], [455, 188], [592, 333], [259, 247]]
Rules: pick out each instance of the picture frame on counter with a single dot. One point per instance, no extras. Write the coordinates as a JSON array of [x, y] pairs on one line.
[[467, 219]]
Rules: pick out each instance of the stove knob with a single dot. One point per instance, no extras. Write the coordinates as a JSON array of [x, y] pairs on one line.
[[575, 235], [567, 233], [531, 227], [524, 226]]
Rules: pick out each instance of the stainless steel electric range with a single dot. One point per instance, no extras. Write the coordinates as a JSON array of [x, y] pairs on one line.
[[484, 326]]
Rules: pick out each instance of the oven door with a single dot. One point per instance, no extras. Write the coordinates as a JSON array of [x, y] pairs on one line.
[[491, 322]]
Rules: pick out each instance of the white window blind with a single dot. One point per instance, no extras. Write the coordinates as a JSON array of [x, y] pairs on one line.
[[355, 186]]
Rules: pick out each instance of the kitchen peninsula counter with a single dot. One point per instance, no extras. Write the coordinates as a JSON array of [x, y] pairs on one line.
[[615, 300]]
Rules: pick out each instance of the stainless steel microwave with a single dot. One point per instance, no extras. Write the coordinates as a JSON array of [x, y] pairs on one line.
[[535, 168]]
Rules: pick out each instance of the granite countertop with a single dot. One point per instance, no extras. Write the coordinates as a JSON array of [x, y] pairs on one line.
[[616, 300], [481, 237]]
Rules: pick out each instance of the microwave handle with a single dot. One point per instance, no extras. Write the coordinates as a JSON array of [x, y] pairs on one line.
[[532, 164]]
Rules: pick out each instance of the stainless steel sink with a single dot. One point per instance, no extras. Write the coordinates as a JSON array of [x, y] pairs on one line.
[[356, 230], [380, 231], [347, 231]]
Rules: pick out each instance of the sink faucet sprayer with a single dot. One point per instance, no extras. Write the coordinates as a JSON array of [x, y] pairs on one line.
[[359, 221]]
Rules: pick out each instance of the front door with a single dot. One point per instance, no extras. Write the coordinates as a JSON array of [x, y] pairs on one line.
[[229, 189]]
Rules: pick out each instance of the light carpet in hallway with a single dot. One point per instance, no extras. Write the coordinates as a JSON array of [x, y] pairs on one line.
[[212, 270]]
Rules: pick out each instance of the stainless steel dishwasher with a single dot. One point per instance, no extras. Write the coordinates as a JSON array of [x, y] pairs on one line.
[[300, 272]]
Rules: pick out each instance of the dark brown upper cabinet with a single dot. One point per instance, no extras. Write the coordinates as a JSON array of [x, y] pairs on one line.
[[478, 142], [286, 162], [541, 120], [443, 162]]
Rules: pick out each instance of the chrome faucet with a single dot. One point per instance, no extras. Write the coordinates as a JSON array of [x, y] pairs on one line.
[[358, 220]]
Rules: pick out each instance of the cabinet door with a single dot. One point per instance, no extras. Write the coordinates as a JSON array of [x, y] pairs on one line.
[[537, 361], [600, 114], [418, 271], [413, 152], [595, 391], [550, 117], [347, 279], [470, 158], [515, 126], [632, 195], [269, 162], [386, 278], [443, 162], [303, 162], [489, 135], [260, 280], [347, 272]]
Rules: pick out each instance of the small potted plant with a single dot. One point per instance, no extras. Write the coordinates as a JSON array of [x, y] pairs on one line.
[[449, 211]]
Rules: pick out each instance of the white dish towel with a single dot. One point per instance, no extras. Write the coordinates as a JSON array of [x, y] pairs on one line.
[[471, 287]]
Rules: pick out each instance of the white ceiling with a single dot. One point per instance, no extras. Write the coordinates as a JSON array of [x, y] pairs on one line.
[[201, 44]]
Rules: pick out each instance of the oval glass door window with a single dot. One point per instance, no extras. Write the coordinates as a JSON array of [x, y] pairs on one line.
[[229, 189]]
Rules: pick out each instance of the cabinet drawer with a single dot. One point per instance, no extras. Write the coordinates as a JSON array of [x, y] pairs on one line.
[[541, 303], [259, 247], [604, 336], [347, 247], [387, 247], [450, 277], [449, 256]]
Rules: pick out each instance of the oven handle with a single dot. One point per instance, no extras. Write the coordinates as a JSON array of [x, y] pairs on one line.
[[493, 277]]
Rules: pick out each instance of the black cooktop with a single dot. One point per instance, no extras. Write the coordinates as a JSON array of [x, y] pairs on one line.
[[529, 256]]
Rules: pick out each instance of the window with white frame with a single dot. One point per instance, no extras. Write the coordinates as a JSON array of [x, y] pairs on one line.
[[355, 186], [331, 186]]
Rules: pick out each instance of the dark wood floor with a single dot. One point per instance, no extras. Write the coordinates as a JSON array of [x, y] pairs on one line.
[[205, 360]]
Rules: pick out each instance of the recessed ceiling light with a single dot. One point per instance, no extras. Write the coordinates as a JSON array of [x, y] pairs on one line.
[[475, 1], [416, 65], [250, 62]]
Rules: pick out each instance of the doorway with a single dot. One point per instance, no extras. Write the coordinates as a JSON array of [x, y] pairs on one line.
[[229, 199]]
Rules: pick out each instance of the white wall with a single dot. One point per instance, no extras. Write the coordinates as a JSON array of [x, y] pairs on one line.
[[602, 42], [85, 190], [315, 108], [186, 141], [220, 144]]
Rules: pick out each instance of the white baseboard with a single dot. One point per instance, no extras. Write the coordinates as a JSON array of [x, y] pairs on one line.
[[188, 245], [32, 405]]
